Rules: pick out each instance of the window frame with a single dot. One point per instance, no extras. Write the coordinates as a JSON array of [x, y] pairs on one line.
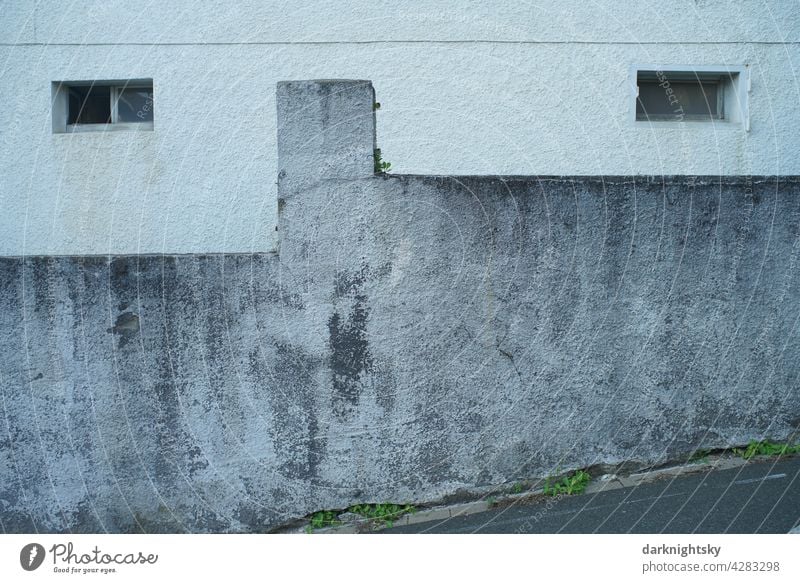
[[60, 111], [733, 87]]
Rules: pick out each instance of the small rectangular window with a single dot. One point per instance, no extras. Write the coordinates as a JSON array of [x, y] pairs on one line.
[[701, 94], [664, 96], [102, 105]]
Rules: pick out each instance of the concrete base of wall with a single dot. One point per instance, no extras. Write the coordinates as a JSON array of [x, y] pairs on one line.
[[417, 336]]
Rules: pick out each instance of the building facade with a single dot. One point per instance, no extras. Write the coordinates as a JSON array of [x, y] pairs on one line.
[[465, 88]]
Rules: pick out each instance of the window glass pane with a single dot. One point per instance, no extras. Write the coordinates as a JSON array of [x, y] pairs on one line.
[[677, 99], [89, 105], [135, 105]]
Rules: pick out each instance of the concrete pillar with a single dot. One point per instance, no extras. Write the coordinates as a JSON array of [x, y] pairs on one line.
[[326, 130]]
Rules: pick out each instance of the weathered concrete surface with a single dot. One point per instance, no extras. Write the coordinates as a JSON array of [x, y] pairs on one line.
[[414, 337]]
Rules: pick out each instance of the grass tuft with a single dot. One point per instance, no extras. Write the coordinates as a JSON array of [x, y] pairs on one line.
[[568, 485]]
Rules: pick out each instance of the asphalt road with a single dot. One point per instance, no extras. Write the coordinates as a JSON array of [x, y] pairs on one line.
[[760, 497]]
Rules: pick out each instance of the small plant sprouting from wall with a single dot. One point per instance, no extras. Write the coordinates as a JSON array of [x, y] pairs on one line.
[[381, 166], [382, 515], [699, 456], [322, 519], [766, 447], [569, 485]]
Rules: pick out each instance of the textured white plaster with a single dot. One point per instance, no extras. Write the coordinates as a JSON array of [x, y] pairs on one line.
[[465, 88]]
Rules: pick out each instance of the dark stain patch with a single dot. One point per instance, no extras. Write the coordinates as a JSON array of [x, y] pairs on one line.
[[284, 297], [196, 460], [85, 519], [349, 284], [256, 518], [126, 326], [316, 446], [42, 277], [752, 193], [385, 386], [350, 356], [296, 430], [384, 270], [120, 267]]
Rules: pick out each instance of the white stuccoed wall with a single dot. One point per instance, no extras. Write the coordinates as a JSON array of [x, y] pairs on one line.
[[465, 87]]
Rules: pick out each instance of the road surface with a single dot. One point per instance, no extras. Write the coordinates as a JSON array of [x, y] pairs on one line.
[[760, 497]]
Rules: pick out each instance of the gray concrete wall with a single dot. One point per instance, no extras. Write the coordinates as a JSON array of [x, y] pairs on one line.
[[415, 337]]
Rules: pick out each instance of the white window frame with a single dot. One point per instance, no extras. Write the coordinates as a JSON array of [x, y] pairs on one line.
[[733, 92], [61, 106]]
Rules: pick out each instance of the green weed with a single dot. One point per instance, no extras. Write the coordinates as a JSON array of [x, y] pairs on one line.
[[569, 485], [700, 456], [322, 519], [381, 166], [382, 514], [766, 447]]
